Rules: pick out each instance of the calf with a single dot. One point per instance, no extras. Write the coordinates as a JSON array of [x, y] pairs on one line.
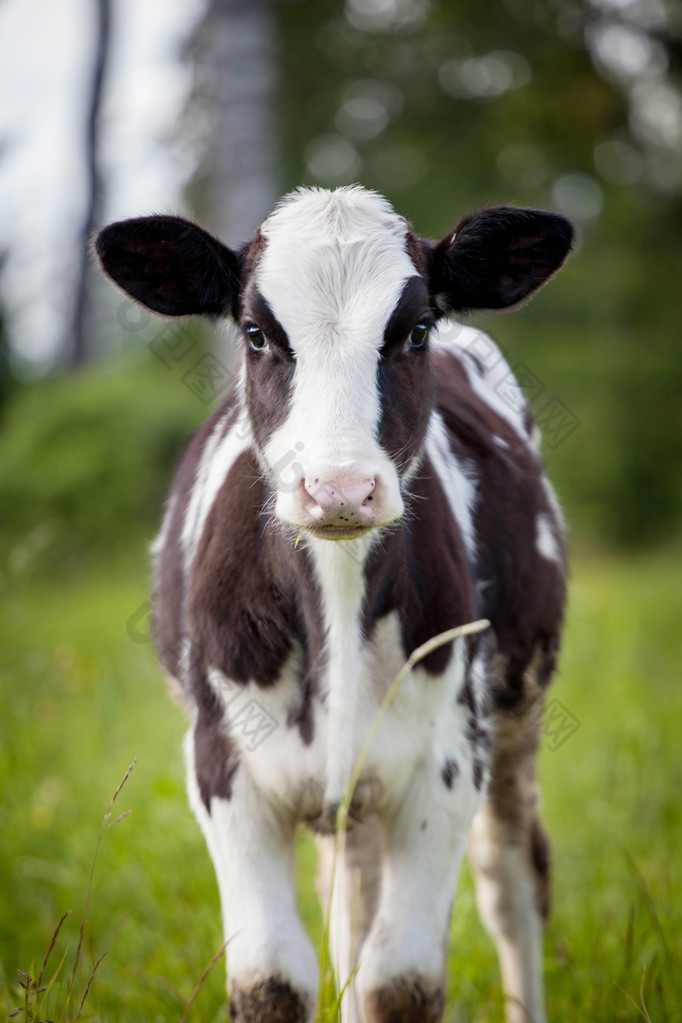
[[362, 488]]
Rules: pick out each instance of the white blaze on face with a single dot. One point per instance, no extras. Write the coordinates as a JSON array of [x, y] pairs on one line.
[[332, 271]]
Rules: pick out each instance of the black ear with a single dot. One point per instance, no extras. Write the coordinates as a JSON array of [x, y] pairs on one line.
[[497, 258], [170, 265]]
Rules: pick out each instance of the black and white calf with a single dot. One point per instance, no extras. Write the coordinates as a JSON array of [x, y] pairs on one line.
[[363, 488]]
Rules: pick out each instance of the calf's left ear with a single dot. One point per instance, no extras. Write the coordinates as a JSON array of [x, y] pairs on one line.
[[497, 258], [170, 265]]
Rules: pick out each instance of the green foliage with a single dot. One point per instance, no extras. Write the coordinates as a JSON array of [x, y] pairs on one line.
[[86, 458], [84, 699], [7, 382]]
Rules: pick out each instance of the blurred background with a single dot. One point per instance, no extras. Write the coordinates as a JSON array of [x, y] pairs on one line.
[[213, 109]]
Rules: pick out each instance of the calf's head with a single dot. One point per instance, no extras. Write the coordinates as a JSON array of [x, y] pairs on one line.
[[335, 298]]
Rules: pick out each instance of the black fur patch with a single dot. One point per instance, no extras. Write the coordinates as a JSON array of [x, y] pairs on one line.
[[270, 1001], [421, 571], [215, 760], [541, 859], [477, 773], [450, 772], [244, 610], [406, 1000]]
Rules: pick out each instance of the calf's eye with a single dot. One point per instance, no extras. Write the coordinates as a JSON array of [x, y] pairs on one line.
[[418, 336], [256, 338]]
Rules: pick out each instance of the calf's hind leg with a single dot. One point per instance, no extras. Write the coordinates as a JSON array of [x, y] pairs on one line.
[[349, 889], [509, 853]]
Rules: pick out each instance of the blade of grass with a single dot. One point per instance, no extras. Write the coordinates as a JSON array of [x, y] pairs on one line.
[[122, 782], [88, 985], [51, 946], [76, 971], [641, 997], [650, 904], [642, 1012], [202, 980], [51, 983]]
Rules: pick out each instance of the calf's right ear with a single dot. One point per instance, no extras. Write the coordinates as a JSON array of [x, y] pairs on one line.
[[170, 265]]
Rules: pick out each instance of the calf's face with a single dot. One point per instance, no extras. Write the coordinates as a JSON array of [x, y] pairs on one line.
[[335, 317], [335, 298]]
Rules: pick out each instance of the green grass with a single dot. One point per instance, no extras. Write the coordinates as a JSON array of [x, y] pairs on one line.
[[79, 699]]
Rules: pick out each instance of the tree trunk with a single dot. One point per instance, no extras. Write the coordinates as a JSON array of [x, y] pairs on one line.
[[236, 82], [78, 348]]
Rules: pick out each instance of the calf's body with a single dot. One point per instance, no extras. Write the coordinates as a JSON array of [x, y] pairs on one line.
[[363, 488]]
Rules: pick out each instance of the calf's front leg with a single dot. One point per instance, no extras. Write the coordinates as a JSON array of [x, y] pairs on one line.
[[271, 965]]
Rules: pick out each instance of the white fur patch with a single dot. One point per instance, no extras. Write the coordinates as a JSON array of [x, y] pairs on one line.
[[218, 457], [456, 479], [554, 505], [545, 540], [157, 544], [342, 584]]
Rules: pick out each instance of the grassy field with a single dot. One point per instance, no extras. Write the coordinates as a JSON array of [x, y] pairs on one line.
[[81, 697]]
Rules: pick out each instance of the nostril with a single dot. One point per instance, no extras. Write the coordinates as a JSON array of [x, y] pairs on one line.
[[370, 496]]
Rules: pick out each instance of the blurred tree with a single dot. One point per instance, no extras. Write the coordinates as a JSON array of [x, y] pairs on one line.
[[7, 379], [77, 342], [235, 60]]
